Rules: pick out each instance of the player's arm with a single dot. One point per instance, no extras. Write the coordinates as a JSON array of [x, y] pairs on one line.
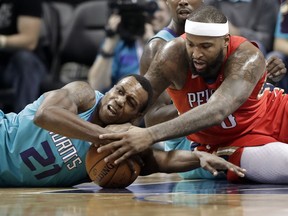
[[58, 112], [182, 161], [149, 52], [160, 64], [242, 72], [162, 110]]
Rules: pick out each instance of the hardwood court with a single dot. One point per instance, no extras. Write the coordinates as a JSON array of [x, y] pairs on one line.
[[157, 194]]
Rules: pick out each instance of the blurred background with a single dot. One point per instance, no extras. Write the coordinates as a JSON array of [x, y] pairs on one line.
[[71, 41]]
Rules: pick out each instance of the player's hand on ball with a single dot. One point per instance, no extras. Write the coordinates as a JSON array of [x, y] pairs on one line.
[[126, 144], [110, 175]]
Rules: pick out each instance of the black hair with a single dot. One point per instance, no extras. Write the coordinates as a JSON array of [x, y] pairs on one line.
[[207, 14], [145, 83]]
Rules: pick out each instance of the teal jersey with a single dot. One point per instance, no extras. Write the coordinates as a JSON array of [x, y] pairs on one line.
[[34, 157], [165, 34]]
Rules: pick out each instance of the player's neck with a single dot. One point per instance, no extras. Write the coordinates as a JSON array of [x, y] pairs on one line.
[[178, 29]]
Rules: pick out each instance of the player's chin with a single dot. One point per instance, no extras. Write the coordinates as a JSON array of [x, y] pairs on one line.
[[116, 119], [110, 119], [183, 16]]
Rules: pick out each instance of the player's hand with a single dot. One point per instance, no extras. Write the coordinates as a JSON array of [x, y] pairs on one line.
[[131, 164], [213, 164], [126, 144], [119, 127], [276, 69]]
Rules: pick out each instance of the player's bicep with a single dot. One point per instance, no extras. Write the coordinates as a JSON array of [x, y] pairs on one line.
[[75, 97], [81, 95], [58, 99]]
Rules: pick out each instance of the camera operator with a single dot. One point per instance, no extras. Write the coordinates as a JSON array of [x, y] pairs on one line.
[[128, 29]]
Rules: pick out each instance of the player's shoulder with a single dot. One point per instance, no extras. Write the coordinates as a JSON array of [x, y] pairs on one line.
[[247, 49], [176, 45], [78, 87], [155, 44]]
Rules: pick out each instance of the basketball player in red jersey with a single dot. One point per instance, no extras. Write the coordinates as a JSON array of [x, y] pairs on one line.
[[163, 109], [215, 81]]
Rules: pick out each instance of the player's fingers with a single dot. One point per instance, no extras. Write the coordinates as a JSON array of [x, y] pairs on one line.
[[270, 60], [131, 166], [112, 136], [110, 147], [133, 162], [283, 70], [240, 173], [210, 169], [274, 74], [138, 159], [123, 157], [118, 155], [97, 145], [238, 170]]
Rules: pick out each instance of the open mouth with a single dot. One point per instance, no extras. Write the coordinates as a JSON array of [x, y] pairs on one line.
[[184, 12], [111, 109], [199, 65]]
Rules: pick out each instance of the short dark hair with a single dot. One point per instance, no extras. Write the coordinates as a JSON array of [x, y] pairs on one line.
[[207, 14], [145, 83]]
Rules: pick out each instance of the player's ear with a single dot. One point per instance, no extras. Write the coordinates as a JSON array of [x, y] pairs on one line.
[[226, 40]]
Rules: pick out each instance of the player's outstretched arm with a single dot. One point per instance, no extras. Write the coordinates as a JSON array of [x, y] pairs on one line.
[[182, 161]]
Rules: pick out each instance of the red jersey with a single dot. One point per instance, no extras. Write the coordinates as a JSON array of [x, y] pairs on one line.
[[253, 123]]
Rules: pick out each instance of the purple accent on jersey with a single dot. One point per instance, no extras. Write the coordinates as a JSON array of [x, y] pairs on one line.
[[171, 31]]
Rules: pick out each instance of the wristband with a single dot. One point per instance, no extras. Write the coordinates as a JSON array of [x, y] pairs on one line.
[[110, 33], [3, 41], [105, 54]]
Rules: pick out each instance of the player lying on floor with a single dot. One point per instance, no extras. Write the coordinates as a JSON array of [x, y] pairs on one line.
[[46, 143]]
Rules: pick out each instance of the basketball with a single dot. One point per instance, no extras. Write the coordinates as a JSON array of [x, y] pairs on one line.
[[110, 175]]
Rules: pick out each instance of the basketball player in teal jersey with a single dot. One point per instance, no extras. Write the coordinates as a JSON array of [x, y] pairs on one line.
[[32, 151], [45, 144]]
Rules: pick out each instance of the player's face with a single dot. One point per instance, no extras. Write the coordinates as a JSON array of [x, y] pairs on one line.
[[123, 102], [206, 54], [181, 9]]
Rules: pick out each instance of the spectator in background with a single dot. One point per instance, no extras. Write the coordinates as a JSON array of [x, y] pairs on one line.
[[128, 31], [281, 42], [252, 19], [20, 67]]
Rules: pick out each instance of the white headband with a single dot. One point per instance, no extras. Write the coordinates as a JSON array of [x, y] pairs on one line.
[[206, 29]]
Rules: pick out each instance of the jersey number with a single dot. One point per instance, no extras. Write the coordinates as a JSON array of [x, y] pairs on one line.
[[49, 160], [229, 122]]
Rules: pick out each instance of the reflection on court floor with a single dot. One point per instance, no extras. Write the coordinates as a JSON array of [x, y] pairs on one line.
[[157, 194], [184, 186]]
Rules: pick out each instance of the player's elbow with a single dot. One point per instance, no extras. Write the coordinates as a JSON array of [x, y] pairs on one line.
[[219, 116], [40, 117]]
